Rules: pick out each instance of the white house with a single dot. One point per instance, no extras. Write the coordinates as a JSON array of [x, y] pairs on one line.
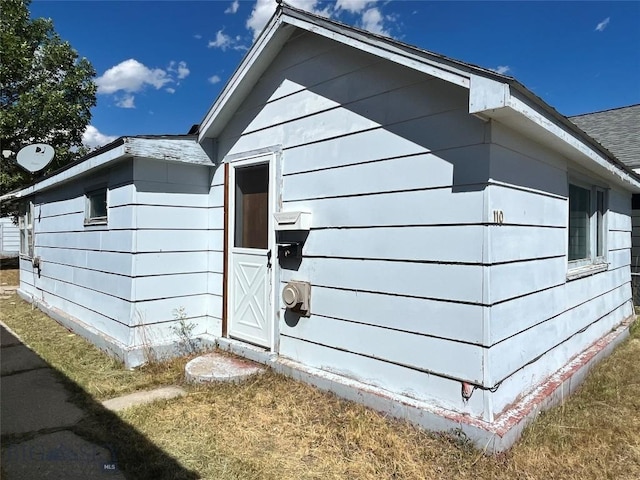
[[459, 251]]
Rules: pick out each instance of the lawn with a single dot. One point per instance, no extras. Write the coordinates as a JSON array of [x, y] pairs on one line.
[[275, 427]]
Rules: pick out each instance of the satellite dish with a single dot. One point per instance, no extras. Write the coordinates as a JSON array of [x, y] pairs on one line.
[[35, 157]]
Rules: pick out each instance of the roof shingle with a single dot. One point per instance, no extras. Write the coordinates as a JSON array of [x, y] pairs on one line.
[[618, 130]]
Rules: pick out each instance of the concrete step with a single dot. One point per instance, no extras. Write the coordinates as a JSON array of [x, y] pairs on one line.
[[216, 367]]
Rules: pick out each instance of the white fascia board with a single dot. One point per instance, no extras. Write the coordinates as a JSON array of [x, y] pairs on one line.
[[386, 50], [574, 147], [263, 51], [170, 150]]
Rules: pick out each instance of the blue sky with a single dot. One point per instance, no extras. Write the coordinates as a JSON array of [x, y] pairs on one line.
[[161, 64]]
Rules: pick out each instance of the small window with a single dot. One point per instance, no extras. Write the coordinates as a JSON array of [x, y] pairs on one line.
[[587, 231], [25, 224], [96, 207]]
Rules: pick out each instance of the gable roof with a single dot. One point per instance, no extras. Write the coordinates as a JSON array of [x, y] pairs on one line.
[[617, 129], [491, 95]]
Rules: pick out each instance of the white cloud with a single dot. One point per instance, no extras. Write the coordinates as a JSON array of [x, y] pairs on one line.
[[603, 24], [353, 6], [214, 79], [263, 10], [373, 21], [170, 90], [233, 8], [197, 36], [502, 69], [93, 138], [126, 101], [222, 41], [131, 76], [180, 69], [225, 42]]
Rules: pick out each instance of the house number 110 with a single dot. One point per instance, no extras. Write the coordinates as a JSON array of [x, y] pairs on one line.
[[498, 217]]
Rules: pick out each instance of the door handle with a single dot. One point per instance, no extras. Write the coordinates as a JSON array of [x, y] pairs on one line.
[[269, 259]]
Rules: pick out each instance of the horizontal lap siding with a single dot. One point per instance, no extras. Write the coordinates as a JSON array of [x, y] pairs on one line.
[[393, 171], [447, 320], [538, 319], [440, 391], [172, 241], [522, 380], [9, 237], [215, 256], [85, 271]]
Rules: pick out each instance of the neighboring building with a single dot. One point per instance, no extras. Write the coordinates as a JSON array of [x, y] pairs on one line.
[[9, 238], [467, 248], [618, 130]]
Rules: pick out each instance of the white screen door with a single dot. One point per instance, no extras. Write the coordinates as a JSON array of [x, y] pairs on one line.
[[250, 240]]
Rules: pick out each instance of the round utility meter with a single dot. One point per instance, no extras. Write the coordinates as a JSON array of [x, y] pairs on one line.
[[291, 295]]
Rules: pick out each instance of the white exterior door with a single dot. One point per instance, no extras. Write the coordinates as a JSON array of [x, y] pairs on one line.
[[250, 288]]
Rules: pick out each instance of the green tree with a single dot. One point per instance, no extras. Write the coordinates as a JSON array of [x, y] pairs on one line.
[[46, 92]]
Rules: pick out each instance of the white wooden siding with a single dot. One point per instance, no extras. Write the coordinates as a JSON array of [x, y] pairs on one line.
[[403, 250], [171, 243], [393, 172], [534, 373], [215, 255], [85, 272], [538, 320], [9, 237], [447, 320], [442, 392]]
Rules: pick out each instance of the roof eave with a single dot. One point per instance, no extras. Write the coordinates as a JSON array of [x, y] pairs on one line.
[[257, 59], [513, 105], [156, 147]]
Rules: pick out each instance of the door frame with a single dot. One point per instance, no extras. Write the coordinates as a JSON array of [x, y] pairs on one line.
[[272, 157]]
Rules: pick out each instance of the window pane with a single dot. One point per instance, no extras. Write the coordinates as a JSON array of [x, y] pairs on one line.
[[25, 224], [97, 204], [252, 207], [579, 201], [600, 209]]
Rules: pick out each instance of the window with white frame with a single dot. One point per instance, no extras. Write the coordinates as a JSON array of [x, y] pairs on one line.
[[25, 224], [587, 230], [96, 207]]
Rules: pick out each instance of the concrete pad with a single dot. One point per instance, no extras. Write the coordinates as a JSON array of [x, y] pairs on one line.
[[140, 398], [215, 367], [19, 358], [61, 455], [34, 400]]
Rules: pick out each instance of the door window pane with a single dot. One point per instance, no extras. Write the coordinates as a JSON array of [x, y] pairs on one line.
[[579, 202], [252, 207]]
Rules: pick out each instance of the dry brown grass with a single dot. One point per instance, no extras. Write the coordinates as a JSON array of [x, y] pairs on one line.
[[273, 427], [100, 375]]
